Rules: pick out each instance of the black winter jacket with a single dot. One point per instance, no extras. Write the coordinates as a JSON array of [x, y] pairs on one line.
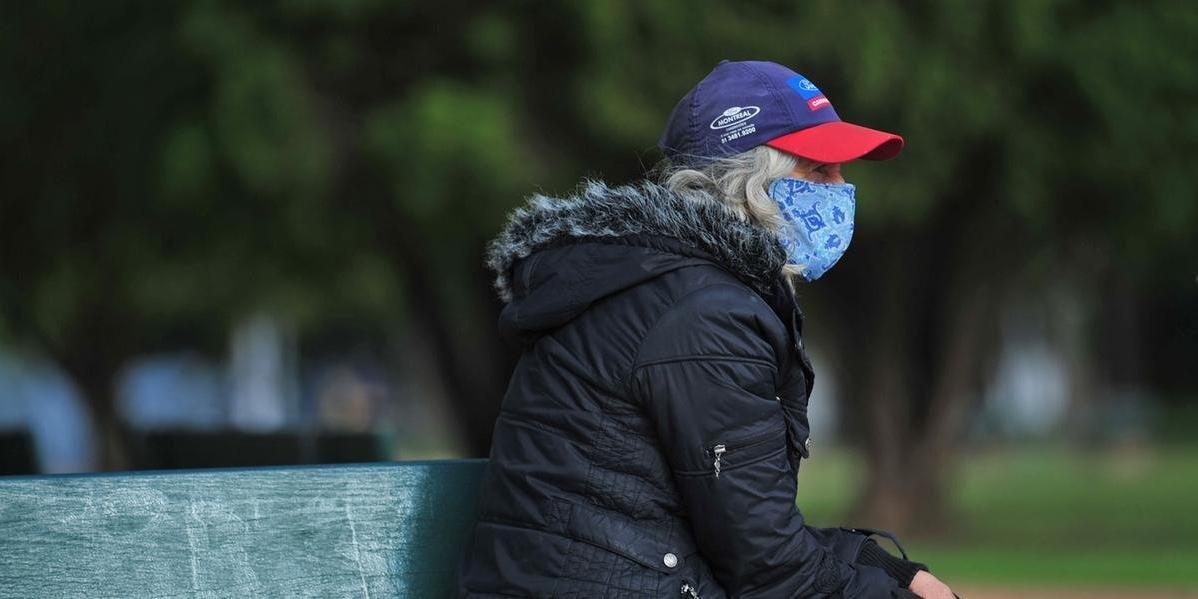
[[650, 437]]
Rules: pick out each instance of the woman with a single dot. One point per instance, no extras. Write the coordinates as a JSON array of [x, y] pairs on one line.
[[650, 438]]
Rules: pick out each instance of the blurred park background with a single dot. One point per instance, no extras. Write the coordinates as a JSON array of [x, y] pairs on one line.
[[252, 233]]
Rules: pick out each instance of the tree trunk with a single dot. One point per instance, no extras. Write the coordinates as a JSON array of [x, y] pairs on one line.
[[955, 374], [919, 312], [111, 443], [916, 395], [92, 353], [470, 364], [884, 405]]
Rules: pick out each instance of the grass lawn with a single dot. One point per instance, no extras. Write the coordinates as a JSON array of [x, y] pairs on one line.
[[1048, 516]]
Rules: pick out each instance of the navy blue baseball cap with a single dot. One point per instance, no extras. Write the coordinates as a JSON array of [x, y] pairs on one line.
[[743, 104]]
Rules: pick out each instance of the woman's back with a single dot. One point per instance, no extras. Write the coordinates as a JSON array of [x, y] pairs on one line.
[[575, 465], [654, 329]]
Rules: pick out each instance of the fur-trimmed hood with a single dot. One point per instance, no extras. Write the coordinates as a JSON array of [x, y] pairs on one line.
[[598, 210], [634, 233]]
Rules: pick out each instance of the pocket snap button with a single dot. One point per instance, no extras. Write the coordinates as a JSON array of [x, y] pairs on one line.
[[670, 560]]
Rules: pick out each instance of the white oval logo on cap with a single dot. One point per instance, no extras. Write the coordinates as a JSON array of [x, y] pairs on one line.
[[734, 115], [806, 84]]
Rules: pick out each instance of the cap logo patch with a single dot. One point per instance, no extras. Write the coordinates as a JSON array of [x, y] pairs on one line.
[[734, 116], [809, 92], [804, 87]]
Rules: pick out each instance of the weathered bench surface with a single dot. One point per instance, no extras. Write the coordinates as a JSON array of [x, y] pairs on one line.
[[392, 529]]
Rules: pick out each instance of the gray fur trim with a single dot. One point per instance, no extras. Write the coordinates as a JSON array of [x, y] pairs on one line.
[[745, 248]]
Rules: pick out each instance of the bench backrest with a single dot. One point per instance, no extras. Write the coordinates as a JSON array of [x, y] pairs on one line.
[[393, 529]]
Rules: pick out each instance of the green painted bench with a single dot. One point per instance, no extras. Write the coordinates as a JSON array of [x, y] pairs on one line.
[[389, 529]]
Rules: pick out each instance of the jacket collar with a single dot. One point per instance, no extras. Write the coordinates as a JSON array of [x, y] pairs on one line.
[[638, 211]]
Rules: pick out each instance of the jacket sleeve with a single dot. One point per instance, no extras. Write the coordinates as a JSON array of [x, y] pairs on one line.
[[856, 545], [705, 374]]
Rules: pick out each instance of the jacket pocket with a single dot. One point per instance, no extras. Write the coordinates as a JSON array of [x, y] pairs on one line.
[[793, 394], [731, 453], [798, 435], [798, 429]]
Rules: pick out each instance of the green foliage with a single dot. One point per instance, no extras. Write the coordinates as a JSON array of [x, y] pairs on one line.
[[1105, 570], [1047, 515], [446, 151], [176, 165], [261, 109]]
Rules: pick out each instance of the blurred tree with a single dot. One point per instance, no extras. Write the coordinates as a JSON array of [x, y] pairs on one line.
[[153, 194], [88, 92], [171, 167], [1047, 143]]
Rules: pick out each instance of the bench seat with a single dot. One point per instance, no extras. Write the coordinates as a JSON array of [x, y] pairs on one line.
[[389, 529]]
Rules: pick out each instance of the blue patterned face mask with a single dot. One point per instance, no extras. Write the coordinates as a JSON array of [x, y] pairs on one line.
[[819, 222]]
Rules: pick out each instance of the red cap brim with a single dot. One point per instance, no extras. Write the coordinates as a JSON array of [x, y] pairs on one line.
[[839, 141]]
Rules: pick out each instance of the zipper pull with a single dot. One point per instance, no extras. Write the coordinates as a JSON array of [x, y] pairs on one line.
[[689, 591], [718, 450]]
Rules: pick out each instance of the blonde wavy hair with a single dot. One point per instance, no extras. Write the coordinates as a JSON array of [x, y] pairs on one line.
[[740, 181]]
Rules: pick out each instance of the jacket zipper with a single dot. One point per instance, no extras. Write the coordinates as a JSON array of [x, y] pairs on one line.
[[688, 591], [719, 449]]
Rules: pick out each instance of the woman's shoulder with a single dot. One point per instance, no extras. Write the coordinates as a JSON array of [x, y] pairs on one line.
[[711, 289], [712, 311]]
